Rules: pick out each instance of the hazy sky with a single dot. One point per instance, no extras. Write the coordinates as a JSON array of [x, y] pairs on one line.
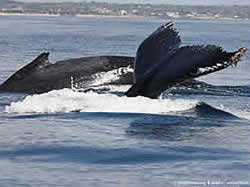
[[188, 2]]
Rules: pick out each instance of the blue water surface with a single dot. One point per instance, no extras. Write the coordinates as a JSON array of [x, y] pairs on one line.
[[205, 143]]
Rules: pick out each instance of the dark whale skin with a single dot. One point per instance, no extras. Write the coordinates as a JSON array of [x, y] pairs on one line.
[[41, 76], [161, 62], [172, 64]]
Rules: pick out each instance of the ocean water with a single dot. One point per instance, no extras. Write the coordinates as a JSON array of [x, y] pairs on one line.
[[188, 137]]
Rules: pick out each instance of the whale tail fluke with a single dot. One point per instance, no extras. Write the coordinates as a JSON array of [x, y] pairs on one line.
[[161, 43], [217, 60], [161, 62], [207, 59], [237, 56], [187, 63]]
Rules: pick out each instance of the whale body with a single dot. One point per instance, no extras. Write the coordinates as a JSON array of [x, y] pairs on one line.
[[86, 73], [160, 63]]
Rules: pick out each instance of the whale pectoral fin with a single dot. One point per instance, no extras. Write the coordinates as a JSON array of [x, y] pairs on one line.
[[39, 62], [159, 44]]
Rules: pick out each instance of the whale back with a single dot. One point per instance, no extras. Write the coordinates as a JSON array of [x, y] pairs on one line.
[[39, 62], [41, 76]]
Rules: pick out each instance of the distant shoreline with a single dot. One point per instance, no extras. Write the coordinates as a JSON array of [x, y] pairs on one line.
[[108, 16], [27, 14], [77, 15], [118, 16]]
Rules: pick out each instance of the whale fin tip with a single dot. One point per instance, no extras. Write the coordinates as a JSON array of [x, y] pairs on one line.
[[39, 62]]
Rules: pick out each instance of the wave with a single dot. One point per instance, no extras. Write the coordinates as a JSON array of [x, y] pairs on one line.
[[204, 110], [67, 100], [201, 88], [119, 155]]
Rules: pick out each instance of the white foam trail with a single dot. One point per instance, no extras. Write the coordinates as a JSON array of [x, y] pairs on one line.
[[67, 100], [242, 113]]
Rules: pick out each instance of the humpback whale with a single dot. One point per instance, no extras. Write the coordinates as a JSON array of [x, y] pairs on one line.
[[86, 73], [160, 63]]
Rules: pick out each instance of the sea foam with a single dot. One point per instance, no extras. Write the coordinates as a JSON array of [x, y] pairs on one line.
[[67, 100]]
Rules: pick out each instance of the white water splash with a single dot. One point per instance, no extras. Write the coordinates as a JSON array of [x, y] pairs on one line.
[[110, 76], [67, 100], [101, 79]]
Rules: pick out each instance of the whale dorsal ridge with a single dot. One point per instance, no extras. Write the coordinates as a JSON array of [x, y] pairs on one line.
[[40, 62]]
